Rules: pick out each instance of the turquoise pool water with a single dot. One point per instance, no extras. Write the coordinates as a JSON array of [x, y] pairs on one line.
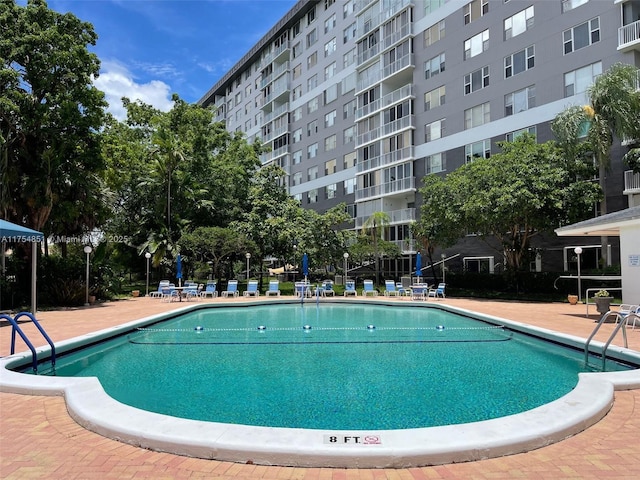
[[330, 366]]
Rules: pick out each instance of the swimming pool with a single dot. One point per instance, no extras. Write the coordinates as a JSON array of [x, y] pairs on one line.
[[336, 445]]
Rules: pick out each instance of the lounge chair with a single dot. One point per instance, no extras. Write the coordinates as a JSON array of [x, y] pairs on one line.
[[252, 289], [232, 289], [158, 293], [274, 288], [327, 288], [169, 293], [438, 292], [419, 291], [390, 288], [209, 291], [302, 288], [368, 289], [350, 288], [191, 291], [626, 309]]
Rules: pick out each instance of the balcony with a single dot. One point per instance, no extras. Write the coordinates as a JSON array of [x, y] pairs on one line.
[[406, 215], [631, 183], [275, 113], [386, 159], [386, 129], [387, 100], [394, 187], [629, 37]]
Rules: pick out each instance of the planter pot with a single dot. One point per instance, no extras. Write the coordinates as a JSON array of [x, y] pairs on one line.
[[92, 299], [135, 293], [573, 299], [603, 304]]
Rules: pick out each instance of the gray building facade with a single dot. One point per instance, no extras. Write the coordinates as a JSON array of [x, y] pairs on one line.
[[359, 99]]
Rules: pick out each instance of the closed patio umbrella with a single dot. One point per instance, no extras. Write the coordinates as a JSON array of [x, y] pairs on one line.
[[179, 269], [418, 266], [305, 266]]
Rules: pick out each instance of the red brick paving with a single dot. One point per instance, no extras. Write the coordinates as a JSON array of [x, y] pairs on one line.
[[38, 439]]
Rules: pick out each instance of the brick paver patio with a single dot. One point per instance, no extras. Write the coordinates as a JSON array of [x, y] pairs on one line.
[[38, 439]]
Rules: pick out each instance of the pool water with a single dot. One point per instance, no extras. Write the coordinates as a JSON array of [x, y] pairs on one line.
[[330, 366]]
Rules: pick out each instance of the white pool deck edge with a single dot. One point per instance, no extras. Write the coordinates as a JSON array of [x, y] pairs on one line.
[[91, 407]]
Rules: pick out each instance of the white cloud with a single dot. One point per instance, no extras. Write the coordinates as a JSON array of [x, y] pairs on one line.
[[116, 81]]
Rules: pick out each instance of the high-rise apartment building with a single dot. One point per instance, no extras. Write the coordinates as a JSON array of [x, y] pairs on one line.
[[359, 99]]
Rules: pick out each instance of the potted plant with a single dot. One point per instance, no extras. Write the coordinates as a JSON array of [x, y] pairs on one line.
[[573, 299], [602, 299]]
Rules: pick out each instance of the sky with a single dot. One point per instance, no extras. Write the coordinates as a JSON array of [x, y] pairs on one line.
[[150, 49]]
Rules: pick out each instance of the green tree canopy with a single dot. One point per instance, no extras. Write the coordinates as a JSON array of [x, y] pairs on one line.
[[50, 118], [512, 196]]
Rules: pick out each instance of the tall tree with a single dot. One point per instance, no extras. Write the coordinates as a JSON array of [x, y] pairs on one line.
[[613, 111], [374, 226], [50, 117]]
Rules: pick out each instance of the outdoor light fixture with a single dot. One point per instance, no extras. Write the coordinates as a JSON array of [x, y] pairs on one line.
[[578, 252], [248, 255], [87, 250], [147, 255], [346, 256], [443, 256]]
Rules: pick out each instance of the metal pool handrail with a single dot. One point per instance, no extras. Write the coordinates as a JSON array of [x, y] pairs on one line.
[[16, 328], [621, 324]]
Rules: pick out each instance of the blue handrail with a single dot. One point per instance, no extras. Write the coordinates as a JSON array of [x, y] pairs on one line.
[[16, 328]]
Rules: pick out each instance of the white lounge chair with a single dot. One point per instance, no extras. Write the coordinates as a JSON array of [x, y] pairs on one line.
[[350, 288], [368, 289], [232, 289], [390, 288], [252, 289], [274, 288]]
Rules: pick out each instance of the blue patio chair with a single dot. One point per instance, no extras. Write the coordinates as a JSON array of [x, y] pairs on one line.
[[438, 292], [327, 288], [252, 289], [390, 288], [419, 291], [368, 289], [274, 288], [350, 288], [158, 293], [302, 288], [209, 291], [191, 291], [232, 289]]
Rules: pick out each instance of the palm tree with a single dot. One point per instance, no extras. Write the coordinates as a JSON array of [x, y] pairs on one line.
[[375, 225], [614, 110]]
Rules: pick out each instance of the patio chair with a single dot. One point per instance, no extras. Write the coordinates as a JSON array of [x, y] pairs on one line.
[[191, 291], [402, 291], [209, 291], [232, 289], [390, 288], [302, 288], [438, 292], [252, 289], [327, 288], [625, 310], [350, 288], [368, 289], [169, 293], [274, 288], [158, 293]]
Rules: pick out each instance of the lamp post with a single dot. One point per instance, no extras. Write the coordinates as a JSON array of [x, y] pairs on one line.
[[295, 259], [248, 255], [443, 256], [87, 250], [147, 255], [346, 256], [578, 251]]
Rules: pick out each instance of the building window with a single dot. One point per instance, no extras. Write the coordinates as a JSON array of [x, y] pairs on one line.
[[297, 135], [436, 163], [518, 23], [434, 66], [519, 101], [476, 116], [571, 4], [312, 150], [330, 167], [238, 98], [298, 197], [297, 71], [296, 50], [349, 186], [349, 160], [511, 136], [349, 32], [330, 119], [328, 3], [312, 105], [296, 92], [297, 157], [349, 58], [297, 178], [476, 44], [434, 33], [476, 80], [312, 82], [434, 98], [330, 94], [577, 81], [331, 191], [297, 114], [330, 47], [312, 196], [477, 150], [475, 9], [349, 82], [330, 23], [312, 37], [312, 128], [312, 173], [295, 30], [347, 8], [311, 15], [581, 36], [519, 62], [329, 71], [349, 109], [434, 130], [330, 143], [431, 6]]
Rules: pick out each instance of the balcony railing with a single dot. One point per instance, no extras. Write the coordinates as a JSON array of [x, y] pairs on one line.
[[386, 159], [629, 36], [386, 129], [398, 65], [631, 182], [280, 110], [396, 186], [406, 215], [389, 99], [395, 37]]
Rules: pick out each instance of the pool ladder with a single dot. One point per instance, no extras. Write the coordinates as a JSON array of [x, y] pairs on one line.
[[622, 321], [16, 328]]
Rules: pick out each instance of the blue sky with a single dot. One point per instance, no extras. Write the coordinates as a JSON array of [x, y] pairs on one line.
[[150, 49]]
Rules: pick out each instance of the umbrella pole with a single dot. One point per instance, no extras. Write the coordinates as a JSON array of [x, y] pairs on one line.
[[34, 269]]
